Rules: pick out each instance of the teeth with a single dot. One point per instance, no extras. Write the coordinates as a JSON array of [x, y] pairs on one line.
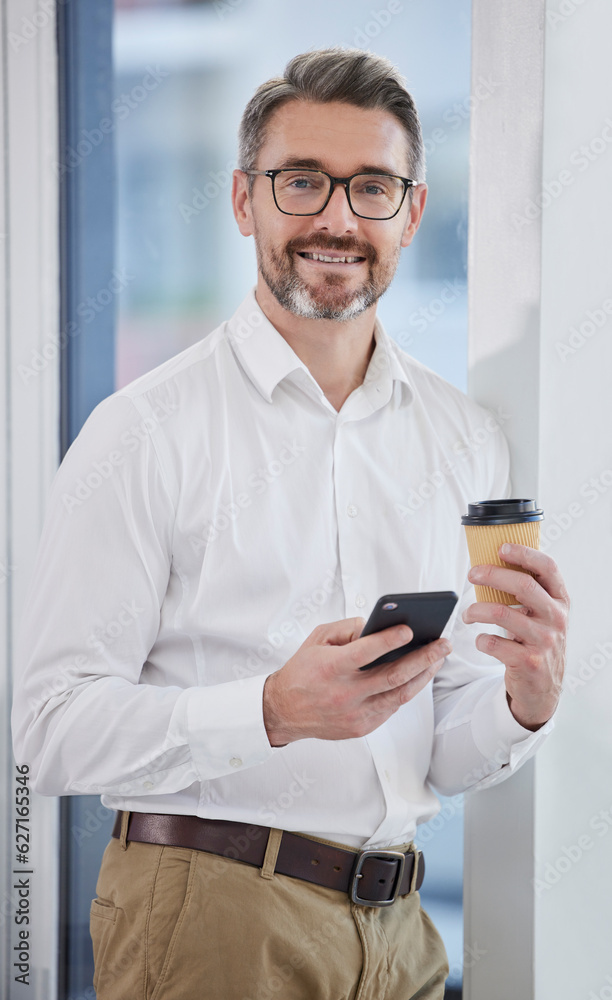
[[332, 260]]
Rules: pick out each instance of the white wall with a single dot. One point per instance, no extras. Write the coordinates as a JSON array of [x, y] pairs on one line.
[[29, 448], [539, 848], [574, 782]]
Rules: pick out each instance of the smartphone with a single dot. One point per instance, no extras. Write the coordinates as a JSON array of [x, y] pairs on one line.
[[426, 614]]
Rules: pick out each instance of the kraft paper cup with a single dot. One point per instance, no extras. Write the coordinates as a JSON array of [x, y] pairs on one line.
[[490, 523]]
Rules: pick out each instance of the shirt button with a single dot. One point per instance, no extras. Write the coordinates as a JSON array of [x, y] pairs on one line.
[[360, 601], [351, 510], [148, 785], [236, 761]]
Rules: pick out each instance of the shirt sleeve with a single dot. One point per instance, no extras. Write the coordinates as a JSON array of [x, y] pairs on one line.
[[477, 741], [83, 718]]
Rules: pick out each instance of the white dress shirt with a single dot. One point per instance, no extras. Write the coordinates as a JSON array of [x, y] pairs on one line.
[[206, 519]]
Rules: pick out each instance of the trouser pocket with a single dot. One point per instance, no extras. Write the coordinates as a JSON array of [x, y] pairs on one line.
[[121, 927], [102, 920]]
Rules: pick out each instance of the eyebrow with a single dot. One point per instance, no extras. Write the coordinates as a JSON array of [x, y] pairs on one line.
[[313, 164]]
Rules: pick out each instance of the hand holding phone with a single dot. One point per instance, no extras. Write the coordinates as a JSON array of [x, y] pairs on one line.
[[426, 614], [318, 693]]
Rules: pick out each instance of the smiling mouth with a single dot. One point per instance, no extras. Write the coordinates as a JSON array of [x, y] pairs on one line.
[[329, 259]]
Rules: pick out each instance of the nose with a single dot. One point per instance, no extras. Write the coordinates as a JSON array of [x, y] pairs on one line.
[[337, 217]]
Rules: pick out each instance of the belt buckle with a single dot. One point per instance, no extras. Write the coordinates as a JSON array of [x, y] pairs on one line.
[[385, 856]]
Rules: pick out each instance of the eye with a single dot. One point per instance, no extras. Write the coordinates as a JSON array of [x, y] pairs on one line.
[[375, 186], [300, 182]]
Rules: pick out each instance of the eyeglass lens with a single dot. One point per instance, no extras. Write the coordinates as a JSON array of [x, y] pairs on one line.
[[304, 192]]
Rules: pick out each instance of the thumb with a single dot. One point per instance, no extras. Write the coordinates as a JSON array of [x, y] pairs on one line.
[[341, 632]]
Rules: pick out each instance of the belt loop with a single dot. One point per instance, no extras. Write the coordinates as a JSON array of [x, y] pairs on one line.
[[269, 862], [415, 870], [125, 819]]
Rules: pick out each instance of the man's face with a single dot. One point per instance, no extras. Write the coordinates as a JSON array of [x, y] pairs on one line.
[[342, 140]]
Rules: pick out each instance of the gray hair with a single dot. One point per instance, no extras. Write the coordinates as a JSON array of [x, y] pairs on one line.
[[351, 76]]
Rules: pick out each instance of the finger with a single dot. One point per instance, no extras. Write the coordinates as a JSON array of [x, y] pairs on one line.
[[336, 633], [389, 701], [526, 588], [514, 655], [409, 666], [541, 565], [534, 600], [367, 648], [514, 620]]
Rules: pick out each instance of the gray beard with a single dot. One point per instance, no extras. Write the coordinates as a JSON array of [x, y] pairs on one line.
[[297, 299], [292, 293]]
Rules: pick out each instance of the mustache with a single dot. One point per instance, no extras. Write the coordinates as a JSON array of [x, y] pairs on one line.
[[344, 245]]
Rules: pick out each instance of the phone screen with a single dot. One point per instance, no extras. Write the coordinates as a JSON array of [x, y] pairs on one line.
[[426, 614]]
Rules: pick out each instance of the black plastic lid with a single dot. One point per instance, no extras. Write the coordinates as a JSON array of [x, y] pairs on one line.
[[502, 512]]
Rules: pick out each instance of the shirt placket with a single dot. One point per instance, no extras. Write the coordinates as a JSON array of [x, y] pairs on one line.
[[359, 578], [349, 517]]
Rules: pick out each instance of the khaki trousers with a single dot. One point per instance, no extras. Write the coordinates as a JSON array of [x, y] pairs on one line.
[[172, 923]]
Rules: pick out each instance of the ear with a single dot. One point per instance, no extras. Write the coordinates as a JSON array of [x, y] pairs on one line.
[[241, 202], [419, 197]]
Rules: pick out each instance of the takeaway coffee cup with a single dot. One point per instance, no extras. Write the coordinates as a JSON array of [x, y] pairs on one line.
[[490, 523]]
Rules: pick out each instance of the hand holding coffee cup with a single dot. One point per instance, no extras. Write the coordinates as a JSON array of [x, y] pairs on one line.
[[490, 523], [533, 646]]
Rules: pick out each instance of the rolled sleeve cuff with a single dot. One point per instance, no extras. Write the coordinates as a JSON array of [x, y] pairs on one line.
[[225, 727]]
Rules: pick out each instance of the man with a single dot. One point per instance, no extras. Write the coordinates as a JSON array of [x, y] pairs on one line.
[[192, 641]]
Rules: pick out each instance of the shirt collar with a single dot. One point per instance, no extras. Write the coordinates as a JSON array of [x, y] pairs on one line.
[[267, 358], [385, 367], [264, 354]]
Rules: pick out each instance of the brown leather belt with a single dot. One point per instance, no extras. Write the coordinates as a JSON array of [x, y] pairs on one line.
[[370, 877]]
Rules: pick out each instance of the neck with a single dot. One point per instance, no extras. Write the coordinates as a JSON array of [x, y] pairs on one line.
[[336, 354]]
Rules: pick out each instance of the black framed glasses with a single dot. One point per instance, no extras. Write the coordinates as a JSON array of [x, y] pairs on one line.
[[307, 192]]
